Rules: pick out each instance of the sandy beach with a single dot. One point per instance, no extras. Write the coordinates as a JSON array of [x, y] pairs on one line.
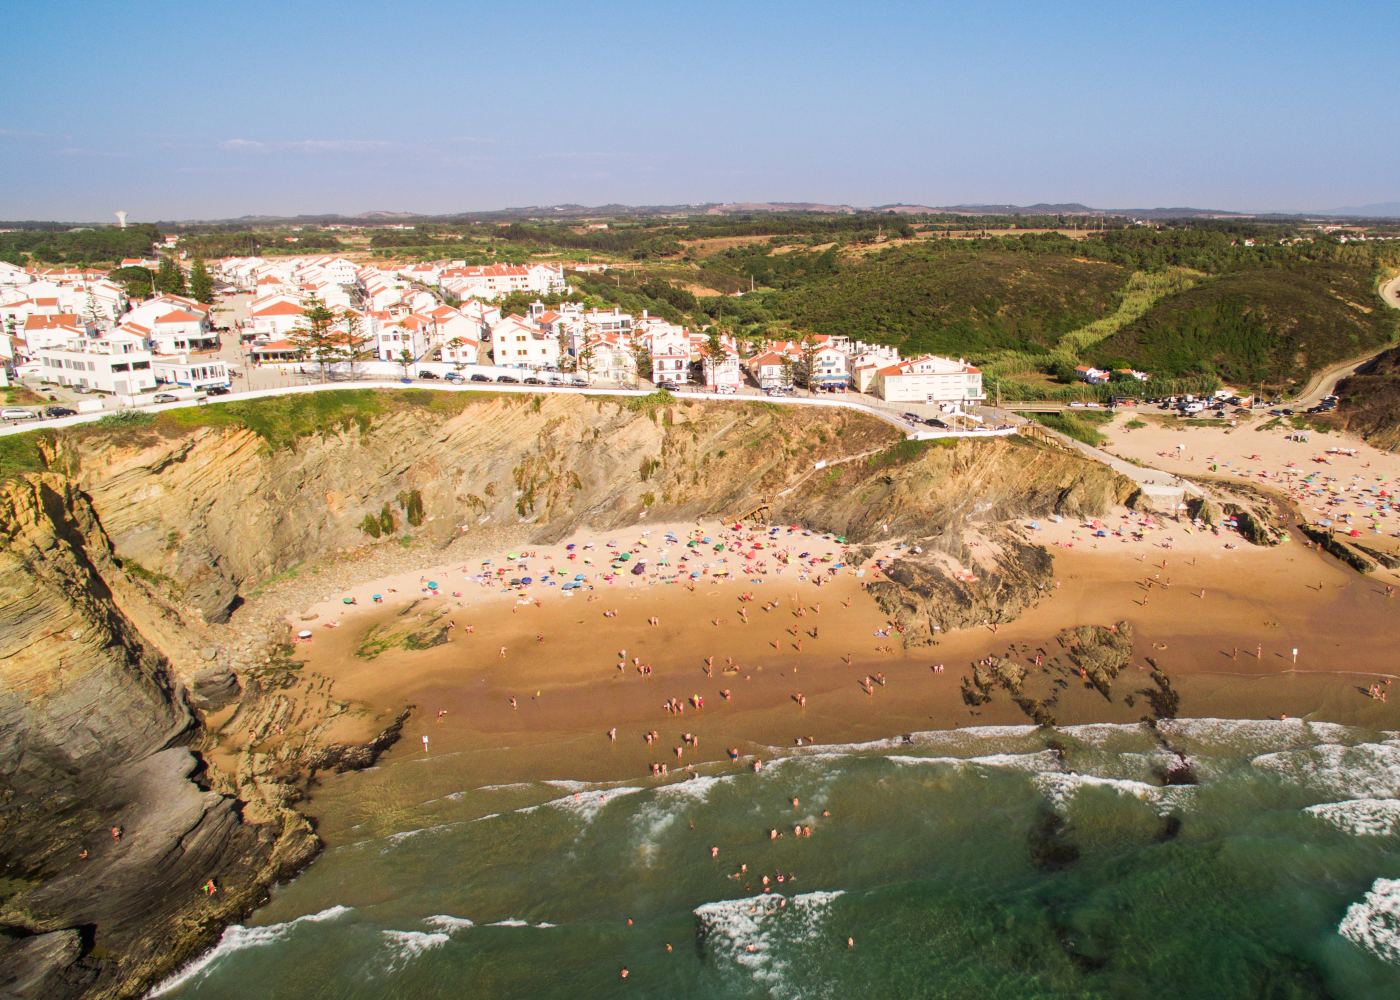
[[630, 673], [1332, 479]]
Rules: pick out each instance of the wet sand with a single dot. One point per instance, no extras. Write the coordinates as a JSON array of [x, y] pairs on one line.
[[569, 690]]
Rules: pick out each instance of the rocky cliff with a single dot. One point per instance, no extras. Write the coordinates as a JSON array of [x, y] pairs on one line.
[[133, 631]]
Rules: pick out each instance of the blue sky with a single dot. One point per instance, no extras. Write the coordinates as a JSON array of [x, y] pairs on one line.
[[211, 110]]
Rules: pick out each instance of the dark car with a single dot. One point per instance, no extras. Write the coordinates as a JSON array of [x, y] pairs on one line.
[[508, 378], [431, 375], [531, 380], [668, 386], [1288, 413], [478, 377], [218, 390], [59, 411]]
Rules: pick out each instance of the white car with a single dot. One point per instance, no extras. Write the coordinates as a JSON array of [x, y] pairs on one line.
[[16, 413], [725, 390]]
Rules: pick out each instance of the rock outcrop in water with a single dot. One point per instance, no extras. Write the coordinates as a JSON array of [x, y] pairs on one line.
[[121, 564]]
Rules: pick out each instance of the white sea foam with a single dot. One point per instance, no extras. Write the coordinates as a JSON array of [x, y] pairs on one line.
[[1361, 817], [447, 922], [395, 839], [238, 938], [405, 946], [1366, 770], [1258, 734], [1374, 923], [658, 815], [1061, 787], [517, 922], [585, 804], [516, 785], [749, 932], [1042, 760]]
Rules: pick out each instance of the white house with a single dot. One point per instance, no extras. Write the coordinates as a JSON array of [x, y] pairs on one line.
[[929, 379], [275, 317], [609, 356], [771, 370], [197, 371], [181, 330], [830, 368], [1094, 376], [118, 364], [492, 281], [518, 343], [39, 332]]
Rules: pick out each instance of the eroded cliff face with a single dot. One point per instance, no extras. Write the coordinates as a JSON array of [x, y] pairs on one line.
[[121, 580]]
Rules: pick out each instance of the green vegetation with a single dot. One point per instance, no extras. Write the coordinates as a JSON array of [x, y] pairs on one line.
[[1273, 325], [1080, 426], [52, 243], [169, 278], [19, 453], [201, 285]]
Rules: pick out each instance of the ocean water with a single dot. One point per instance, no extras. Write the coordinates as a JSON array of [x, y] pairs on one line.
[[996, 862]]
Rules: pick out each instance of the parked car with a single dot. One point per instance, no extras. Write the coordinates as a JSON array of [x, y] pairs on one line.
[[165, 397], [578, 380], [58, 411], [429, 375], [668, 386], [218, 390], [531, 380], [508, 378], [454, 377], [83, 390], [17, 413], [725, 390], [478, 377]]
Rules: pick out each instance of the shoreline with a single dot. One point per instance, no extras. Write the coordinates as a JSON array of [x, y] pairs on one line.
[[565, 705]]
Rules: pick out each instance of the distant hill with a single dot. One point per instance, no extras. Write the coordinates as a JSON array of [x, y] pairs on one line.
[[1379, 210]]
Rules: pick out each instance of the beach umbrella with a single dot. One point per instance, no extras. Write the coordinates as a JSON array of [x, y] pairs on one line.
[[378, 597], [579, 576], [527, 580], [624, 557], [570, 547], [511, 555], [347, 600], [304, 634], [432, 585]]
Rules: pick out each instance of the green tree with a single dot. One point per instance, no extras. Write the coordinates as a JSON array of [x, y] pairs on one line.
[[641, 355], [405, 359], [584, 361], [809, 359], [456, 344], [316, 341], [201, 285], [354, 346], [170, 280], [714, 350], [138, 281]]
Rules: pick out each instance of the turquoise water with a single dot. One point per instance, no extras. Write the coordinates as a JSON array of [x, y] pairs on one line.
[[980, 863]]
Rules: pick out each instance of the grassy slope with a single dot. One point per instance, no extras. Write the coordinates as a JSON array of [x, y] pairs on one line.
[[956, 303], [1370, 402], [278, 420], [1270, 324]]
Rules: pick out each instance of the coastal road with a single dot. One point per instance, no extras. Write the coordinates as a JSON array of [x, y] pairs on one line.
[[1324, 383]]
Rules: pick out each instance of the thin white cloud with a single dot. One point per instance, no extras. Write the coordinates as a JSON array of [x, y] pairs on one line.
[[305, 145]]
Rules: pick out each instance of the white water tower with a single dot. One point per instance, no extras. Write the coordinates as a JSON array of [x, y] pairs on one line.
[[121, 219]]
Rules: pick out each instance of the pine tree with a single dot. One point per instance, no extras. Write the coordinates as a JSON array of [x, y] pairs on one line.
[[315, 342], [169, 278], [201, 285]]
